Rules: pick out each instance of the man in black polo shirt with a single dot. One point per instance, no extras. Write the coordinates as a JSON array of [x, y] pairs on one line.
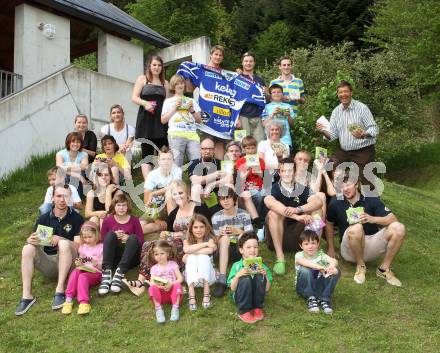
[[52, 261], [377, 233], [290, 205], [206, 175]]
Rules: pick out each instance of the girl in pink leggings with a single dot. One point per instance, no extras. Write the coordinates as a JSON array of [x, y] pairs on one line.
[[87, 272], [165, 281]]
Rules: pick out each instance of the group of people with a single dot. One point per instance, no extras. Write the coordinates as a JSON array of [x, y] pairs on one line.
[[241, 192]]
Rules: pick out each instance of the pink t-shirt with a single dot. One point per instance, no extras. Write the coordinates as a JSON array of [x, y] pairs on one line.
[[94, 253], [167, 272]]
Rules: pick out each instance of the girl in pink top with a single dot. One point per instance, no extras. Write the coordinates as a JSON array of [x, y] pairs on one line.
[[87, 272], [166, 279]]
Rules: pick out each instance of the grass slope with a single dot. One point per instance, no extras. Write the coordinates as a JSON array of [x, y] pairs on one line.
[[374, 317]]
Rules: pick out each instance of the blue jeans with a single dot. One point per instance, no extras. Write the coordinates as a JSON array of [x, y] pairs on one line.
[[258, 201], [310, 284], [45, 207]]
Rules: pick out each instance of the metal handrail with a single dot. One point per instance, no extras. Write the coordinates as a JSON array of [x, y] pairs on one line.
[[10, 82]]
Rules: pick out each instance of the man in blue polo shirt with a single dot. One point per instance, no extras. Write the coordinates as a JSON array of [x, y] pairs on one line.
[[378, 232], [52, 261], [290, 205]]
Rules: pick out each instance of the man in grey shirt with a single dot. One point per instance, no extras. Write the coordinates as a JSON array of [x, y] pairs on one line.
[[353, 125]]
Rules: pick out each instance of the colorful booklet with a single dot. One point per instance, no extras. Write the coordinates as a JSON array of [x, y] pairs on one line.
[[239, 135], [252, 161], [184, 104], [321, 152], [159, 280], [353, 214], [45, 235], [354, 127], [227, 166], [253, 264]]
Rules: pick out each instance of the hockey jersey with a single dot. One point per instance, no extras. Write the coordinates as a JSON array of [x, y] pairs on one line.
[[222, 94]]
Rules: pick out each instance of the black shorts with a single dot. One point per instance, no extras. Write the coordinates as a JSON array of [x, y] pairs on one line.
[[292, 231]]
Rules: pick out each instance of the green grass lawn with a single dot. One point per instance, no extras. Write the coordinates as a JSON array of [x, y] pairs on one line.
[[374, 317]]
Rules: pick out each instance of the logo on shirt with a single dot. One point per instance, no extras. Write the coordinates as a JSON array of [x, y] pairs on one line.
[[67, 228], [225, 89], [242, 84], [221, 111], [212, 75]]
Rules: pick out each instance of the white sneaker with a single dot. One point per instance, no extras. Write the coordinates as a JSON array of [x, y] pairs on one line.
[[260, 234]]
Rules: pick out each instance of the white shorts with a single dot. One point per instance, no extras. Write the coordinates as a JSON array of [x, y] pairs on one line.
[[375, 247]]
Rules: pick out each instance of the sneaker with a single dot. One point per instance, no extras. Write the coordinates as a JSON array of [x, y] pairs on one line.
[[312, 305], [116, 285], [258, 314], [247, 317], [279, 267], [106, 279], [219, 290], [174, 314], [389, 276], [325, 306], [58, 301], [67, 308], [160, 316], [83, 308], [24, 305], [359, 276]]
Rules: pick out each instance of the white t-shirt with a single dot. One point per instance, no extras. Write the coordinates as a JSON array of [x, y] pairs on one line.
[[182, 123], [120, 136], [270, 157], [155, 181], [74, 198]]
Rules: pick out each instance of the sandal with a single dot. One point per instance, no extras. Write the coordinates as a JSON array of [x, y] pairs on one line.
[[137, 287], [192, 306], [206, 303]]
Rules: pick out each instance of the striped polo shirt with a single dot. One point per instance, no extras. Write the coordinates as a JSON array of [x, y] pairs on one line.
[[292, 87], [343, 120]]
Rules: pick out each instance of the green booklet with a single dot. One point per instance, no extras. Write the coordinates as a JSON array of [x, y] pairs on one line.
[[253, 264], [45, 235], [239, 135], [211, 200], [252, 161], [227, 166], [321, 152], [353, 214], [159, 280], [87, 268]]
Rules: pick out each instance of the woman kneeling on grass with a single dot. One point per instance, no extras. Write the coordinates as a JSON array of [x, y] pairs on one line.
[[122, 236]]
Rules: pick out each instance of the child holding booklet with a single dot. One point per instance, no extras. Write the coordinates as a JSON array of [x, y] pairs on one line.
[[316, 273], [87, 272], [199, 247], [181, 114], [249, 284], [165, 283]]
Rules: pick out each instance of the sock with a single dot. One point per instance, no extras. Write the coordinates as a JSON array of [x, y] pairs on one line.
[[222, 278], [69, 299], [157, 306], [176, 306]]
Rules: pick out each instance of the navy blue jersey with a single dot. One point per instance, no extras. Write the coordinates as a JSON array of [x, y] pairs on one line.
[[222, 94]]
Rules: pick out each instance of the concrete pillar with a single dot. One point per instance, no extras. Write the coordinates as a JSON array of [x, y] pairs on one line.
[[36, 55], [196, 50], [119, 58]]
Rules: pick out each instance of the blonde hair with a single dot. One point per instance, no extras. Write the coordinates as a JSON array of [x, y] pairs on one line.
[[92, 227], [175, 79]]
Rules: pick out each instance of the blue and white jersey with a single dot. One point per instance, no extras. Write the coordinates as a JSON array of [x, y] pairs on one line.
[[222, 94]]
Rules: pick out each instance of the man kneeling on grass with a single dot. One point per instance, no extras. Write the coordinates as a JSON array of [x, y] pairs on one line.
[[55, 260], [249, 280], [368, 229]]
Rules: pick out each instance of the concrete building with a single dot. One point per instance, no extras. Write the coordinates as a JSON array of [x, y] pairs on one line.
[[41, 92]]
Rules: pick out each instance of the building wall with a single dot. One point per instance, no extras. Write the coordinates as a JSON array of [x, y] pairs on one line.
[[119, 58], [36, 56], [36, 120], [196, 50]]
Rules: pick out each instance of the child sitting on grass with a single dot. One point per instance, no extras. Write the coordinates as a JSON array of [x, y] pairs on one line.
[[316, 273], [170, 291], [87, 272], [249, 288]]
